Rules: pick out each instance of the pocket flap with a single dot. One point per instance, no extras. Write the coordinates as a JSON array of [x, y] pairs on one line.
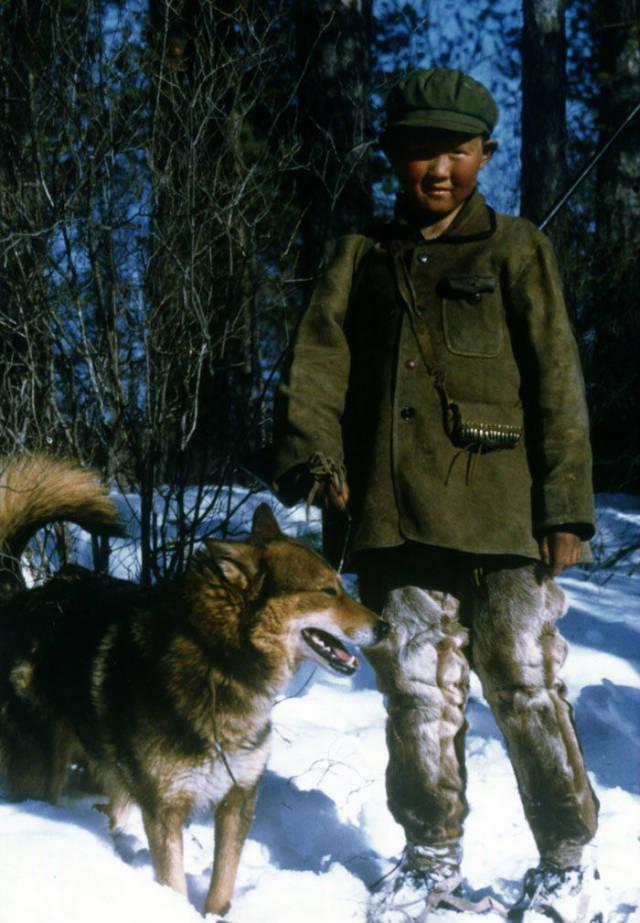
[[469, 284]]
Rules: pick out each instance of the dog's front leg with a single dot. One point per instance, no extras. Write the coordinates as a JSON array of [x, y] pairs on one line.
[[164, 832], [233, 818]]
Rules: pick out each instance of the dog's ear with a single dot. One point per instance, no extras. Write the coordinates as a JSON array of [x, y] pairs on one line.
[[239, 562], [265, 526]]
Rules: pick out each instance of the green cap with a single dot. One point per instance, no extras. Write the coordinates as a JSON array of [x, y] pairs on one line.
[[441, 98]]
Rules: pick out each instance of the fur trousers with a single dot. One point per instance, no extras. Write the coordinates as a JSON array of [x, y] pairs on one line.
[[448, 612]]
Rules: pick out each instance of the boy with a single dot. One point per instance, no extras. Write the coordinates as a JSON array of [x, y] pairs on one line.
[[435, 393]]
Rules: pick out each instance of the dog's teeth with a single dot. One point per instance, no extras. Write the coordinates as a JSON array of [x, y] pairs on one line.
[[333, 651]]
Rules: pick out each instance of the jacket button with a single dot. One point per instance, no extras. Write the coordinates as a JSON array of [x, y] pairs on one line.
[[474, 298], [410, 363], [423, 257], [408, 413]]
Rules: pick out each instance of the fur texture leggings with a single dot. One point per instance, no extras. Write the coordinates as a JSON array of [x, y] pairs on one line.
[[449, 611]]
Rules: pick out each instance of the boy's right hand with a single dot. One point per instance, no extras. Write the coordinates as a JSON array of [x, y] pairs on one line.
[[330, 489], [328, 496]]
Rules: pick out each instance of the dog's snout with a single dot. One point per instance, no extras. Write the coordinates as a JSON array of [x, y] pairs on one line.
[[381, 630]]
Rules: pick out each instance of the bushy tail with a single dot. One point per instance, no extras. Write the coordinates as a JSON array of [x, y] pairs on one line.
[[40, 489]]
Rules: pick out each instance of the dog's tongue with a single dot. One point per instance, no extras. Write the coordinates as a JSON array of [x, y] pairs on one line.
[[350, 659]]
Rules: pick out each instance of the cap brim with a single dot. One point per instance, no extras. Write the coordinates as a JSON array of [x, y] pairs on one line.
[[440, 118]]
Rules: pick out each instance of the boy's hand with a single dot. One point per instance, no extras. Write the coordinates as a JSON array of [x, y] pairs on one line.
[[559, 550], [327, 496], [330, 489]]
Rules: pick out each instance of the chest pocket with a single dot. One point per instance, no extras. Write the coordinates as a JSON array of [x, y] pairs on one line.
[[472, 315]]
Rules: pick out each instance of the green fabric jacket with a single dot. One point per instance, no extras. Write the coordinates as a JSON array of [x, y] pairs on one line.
[[403, 337]]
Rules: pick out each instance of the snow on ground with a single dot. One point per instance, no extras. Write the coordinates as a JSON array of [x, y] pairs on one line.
[[322, 833]]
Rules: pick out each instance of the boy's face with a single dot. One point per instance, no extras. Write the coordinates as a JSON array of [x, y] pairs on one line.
[[437, 168]]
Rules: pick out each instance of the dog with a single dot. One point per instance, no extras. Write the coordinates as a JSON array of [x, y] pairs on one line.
[[167, 692]]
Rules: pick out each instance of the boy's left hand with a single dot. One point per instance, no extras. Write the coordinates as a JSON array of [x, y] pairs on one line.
[[559, 550]]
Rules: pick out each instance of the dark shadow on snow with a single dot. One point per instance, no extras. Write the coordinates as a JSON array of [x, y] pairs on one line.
[[579, 627], [303, 832], [608, 719]]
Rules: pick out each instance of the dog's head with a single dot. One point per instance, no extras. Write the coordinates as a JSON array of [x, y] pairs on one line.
[[300, 608]]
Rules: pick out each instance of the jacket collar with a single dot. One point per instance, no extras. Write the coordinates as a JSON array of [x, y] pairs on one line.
[[475, 221]]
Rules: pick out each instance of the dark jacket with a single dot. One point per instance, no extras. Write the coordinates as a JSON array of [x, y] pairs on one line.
[[411, 353]]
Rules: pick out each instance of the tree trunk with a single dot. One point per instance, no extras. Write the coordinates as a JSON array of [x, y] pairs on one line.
[[544, 130], [616, 320], [334, 56], [619, 200]]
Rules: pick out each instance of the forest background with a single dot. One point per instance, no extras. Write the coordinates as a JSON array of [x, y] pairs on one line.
[[172, 174]]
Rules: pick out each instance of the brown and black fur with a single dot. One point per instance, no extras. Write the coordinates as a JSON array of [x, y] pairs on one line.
[[167, 692]]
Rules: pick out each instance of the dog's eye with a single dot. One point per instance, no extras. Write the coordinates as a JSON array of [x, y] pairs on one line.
[[329, 590]]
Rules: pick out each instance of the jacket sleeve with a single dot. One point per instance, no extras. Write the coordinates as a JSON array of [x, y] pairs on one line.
[[556, 417], [310, 398]]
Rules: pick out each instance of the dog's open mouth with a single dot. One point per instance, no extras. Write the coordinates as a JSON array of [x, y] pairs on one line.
[[332, 651]]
